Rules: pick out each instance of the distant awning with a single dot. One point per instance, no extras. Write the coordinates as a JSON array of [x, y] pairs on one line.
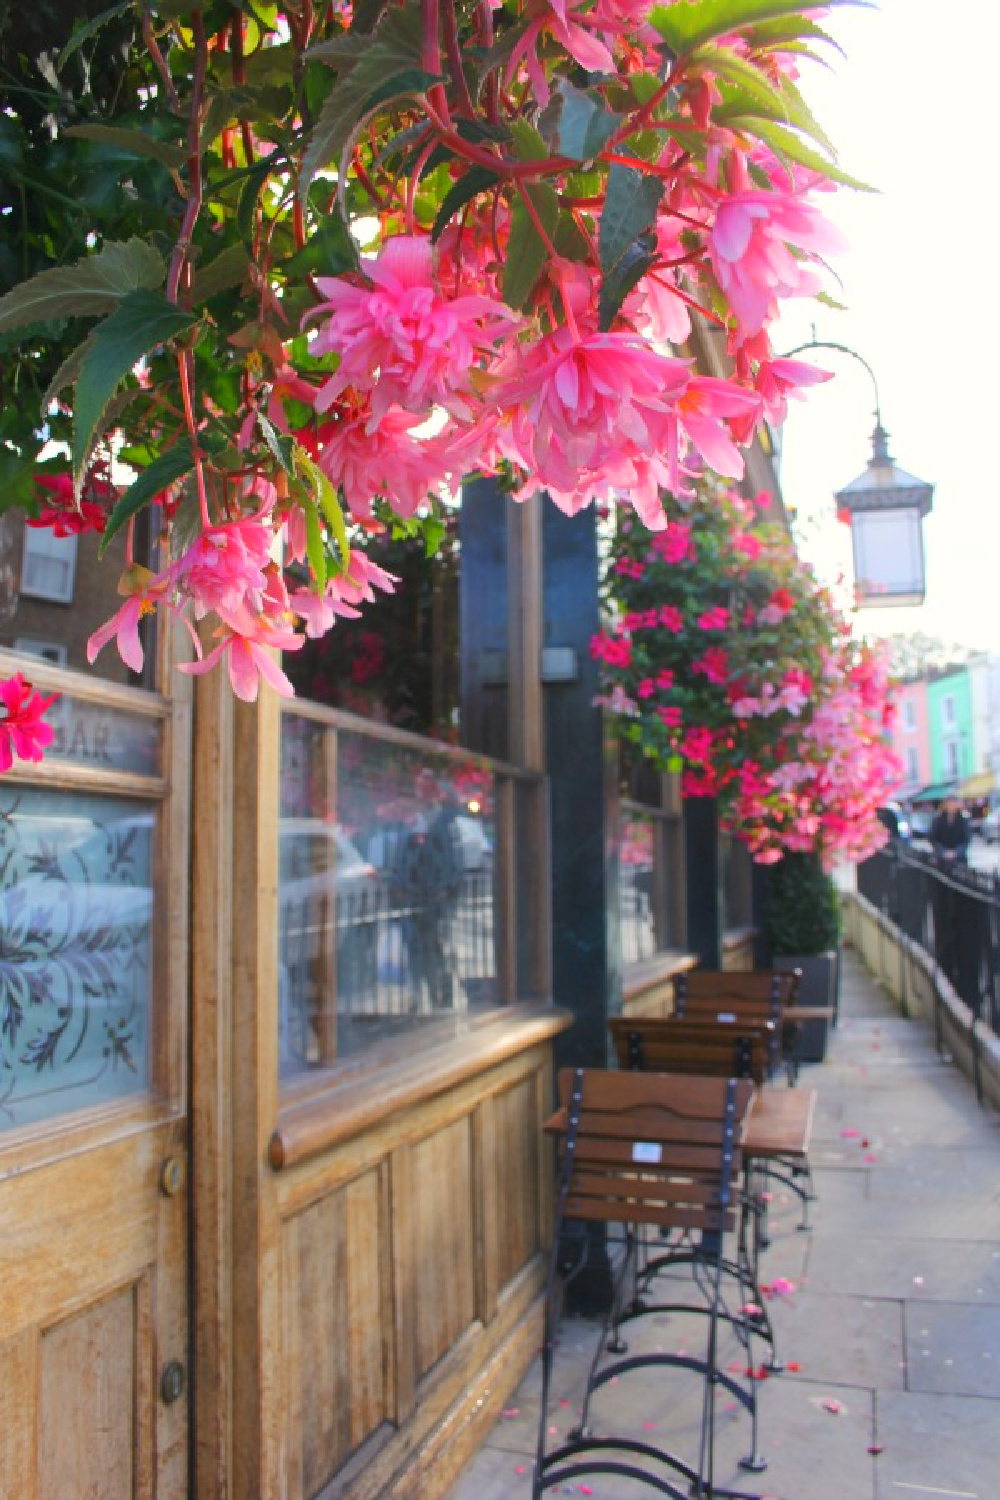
[[935, 792], [979, 785]]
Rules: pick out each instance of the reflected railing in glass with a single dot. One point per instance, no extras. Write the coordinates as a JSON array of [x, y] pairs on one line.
[[76, 902], [389, 907]]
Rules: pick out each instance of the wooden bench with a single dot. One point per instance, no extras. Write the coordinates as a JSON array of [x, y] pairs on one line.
[[660, 1150]]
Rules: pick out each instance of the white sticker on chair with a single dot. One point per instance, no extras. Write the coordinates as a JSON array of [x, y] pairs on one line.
[[727, 1015], [647, 1151]]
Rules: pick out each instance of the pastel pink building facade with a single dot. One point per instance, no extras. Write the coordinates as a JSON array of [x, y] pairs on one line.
[[911, 735]]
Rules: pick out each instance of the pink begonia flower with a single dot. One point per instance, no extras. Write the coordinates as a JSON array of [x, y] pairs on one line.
[[674, 544], [702, 411], [747, 545], [144, 592], [671, 618], [249, 659], [225, 567], [646, 688], [714, 619], [586, 418], [656, 306], [604, 647], [24, 734], [554, 18], [672, 717], [749, 247], [777, 379], [390, 461], [401, 340], [714, 665]]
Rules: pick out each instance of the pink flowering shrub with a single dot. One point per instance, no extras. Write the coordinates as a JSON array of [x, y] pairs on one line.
[[783, 717], [434, 240]]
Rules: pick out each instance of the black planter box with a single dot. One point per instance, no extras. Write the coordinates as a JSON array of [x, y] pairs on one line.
[[818, 986]]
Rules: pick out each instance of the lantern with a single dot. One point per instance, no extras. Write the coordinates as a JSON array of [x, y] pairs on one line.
[[885, 507]]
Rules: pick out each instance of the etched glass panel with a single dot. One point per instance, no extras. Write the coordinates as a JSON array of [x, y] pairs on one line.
[[387, 893], [75, 959], [94, 735]]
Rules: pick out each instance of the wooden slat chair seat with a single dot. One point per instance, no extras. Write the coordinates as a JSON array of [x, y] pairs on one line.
[[646, 1149]]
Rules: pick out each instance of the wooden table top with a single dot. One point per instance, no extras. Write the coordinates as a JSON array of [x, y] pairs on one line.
[[779, 1122]]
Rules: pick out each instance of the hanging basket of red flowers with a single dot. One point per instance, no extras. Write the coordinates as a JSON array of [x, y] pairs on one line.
[[727, 661]]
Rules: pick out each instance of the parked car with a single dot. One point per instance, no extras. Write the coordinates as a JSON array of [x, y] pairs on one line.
[[990, 827], [893, 818]]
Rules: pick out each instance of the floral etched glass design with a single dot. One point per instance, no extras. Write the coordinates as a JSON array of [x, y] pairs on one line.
[[75, 951]]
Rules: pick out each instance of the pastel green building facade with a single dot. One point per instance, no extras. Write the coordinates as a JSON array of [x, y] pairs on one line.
[[951, 727]]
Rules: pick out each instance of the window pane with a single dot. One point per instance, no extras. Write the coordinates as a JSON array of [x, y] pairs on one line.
[[636, 869], [387, 894], [75, 909]]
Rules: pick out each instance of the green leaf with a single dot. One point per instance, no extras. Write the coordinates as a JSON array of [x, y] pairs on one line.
[[143, 320], [629, 209], [687, 24], [82, 32], [330, 252], [473, 182], [133, 142], [66, 373], [94, 285], [627, 271], [246, 209], [529, 143], [370, 71], [172, 464], [777, 34], [577, 124], [225, 270], [282, 448], [527, 251], [315, 550], [786, 144], [324, 496], [750, 92]]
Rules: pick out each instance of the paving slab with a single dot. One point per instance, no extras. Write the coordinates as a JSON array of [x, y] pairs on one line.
[[954, 1348], [936, 1448], [934, 1270]]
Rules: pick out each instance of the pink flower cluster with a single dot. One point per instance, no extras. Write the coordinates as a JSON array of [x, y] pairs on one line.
[[24, 733]]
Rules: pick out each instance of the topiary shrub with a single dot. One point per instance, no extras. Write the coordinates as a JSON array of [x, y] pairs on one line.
[[802, 910]]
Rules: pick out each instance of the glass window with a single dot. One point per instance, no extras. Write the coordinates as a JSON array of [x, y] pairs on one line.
[[637, 885], [912, 764], [48, 567], [389, 915], [948, 709], [75, 950], [909, 715]]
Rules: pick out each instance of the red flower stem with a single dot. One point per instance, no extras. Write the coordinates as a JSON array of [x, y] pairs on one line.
[[239, 77], [191, 212], [159, 62], [185, 366], [449, 27], [431, 14], [492, 87]]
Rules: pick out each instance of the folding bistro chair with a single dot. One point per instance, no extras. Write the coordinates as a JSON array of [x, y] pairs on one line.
[[646, 1149], [761, 994], [754, 995], [708, 1048]]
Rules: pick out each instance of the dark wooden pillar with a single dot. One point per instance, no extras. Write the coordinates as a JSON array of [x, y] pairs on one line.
[[703, 880]]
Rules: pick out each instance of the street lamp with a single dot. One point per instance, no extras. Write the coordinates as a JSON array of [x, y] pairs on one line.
[[884, 507]]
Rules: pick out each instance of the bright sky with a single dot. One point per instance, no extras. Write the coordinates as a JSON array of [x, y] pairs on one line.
[[914, 109]]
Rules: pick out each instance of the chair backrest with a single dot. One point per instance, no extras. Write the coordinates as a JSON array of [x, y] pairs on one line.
[[754, 993], [649, 1148], [736, 1049]]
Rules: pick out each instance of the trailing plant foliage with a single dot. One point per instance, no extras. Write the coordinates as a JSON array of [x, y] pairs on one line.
[[302, 270], [728, 662]]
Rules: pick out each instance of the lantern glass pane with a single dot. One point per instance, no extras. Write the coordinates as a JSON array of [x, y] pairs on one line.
[[888, 557]]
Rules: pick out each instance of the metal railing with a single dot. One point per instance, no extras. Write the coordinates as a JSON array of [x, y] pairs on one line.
[[951, 912]]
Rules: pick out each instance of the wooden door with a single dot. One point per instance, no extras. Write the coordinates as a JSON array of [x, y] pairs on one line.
[[93, 1117]]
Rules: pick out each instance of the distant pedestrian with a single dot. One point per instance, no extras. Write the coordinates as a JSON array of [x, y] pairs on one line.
[[951, 832]]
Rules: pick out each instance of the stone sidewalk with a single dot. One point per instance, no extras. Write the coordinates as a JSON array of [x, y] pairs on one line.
[[887, 1314]]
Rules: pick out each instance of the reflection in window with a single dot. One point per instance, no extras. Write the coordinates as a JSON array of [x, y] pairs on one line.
[[75, 911], [387, 891], [636, 871]]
